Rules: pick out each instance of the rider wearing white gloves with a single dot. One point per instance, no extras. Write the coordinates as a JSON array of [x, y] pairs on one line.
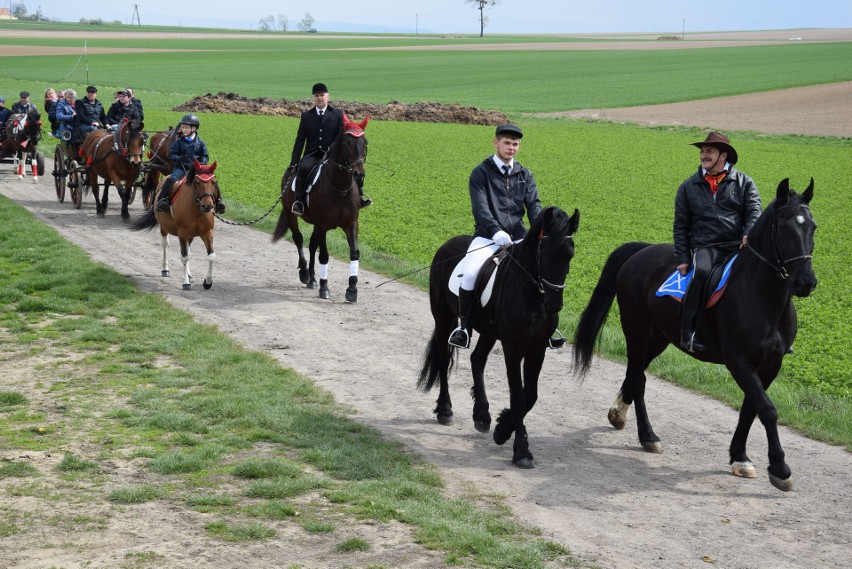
[[501, 191]]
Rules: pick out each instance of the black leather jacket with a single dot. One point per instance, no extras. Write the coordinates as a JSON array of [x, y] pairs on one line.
[[702, 219], [497, 207], [183, 153], [89, 112]]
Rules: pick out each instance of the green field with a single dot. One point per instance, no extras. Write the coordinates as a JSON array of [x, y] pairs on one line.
[[622, 178]]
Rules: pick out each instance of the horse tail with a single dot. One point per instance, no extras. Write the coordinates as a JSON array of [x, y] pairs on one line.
[[146, 222], [282, 226], [596, 312], [431, 371]]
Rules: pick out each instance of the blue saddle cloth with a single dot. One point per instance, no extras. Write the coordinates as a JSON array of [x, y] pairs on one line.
[[676, 284]]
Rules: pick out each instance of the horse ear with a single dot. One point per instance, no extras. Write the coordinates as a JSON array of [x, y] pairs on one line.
[[196, 164], [574, 221], [809, 193], [345, 118], [363, 123], [213, 167], [783, 192]]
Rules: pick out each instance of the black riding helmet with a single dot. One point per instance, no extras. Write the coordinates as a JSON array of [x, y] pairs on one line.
[[190, 119]]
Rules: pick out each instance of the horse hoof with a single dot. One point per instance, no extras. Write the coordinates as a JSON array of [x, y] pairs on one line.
[[616, 419], [207, 286], [351, 296], [187, 286], [482, 426], [744, 469], [524, 463], [35, 179], [303, 277], [785, 485], [165, 274], [652, 446], [324, 294], [445, 419], [312, 284]]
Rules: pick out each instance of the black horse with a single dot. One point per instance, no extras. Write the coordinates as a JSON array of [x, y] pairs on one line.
[[523, 313], [332, 202], [23, 132], [749, 330]]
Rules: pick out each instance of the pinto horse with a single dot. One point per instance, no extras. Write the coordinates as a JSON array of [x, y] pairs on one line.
[[23, 131], [749, 329], [522, 313], [332, 202], [193, 200], [116, 158]]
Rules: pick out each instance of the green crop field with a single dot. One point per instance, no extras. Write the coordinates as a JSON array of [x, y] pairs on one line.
[[622, 178]]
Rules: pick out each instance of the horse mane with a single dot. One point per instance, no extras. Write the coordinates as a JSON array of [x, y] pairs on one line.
[[552, 222]]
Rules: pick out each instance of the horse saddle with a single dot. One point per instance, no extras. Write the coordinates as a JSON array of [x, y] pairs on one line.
[[676, 285], [485, 278], [311, 178]]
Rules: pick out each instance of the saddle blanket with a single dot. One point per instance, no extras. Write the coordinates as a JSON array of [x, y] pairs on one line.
[[675, 285], [456, 278], [311, 181]]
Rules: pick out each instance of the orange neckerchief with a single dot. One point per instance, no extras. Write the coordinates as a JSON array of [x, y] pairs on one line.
[[714, 179]]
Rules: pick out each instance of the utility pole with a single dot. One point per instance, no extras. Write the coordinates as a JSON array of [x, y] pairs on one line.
[[135, 17]]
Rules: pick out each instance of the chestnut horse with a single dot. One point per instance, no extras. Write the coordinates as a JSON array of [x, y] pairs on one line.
[[116, 158], [23, 131], [158, 164], [332, 202], [191, 215]]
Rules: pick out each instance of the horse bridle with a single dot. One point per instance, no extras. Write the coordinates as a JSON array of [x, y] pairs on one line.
[[781, 266], [540, 282], [348, 167]]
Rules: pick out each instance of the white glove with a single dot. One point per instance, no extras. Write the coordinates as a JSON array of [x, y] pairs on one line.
[[502, 238]]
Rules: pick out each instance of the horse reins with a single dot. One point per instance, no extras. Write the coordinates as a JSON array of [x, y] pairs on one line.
[[540, 282], [781, 267]]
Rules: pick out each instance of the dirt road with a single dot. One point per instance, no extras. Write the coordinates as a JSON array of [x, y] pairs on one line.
[[593, 488]]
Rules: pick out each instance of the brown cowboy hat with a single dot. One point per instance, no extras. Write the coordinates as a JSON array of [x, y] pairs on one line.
[[720, 141]]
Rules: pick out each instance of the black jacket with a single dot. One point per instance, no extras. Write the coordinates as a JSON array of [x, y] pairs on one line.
[[496, 207], [316, 133], [89, 112], [183, 153], [117, 113], [702, 219]]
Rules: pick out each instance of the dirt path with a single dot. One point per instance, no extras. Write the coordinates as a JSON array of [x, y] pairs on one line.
[[593, 489]]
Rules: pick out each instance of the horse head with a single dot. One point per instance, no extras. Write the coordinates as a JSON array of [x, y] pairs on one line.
[[548, 250], [355, 148], [131, 140], [783, 238], [204, 185]]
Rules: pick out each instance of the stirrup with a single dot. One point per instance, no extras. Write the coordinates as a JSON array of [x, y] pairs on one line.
[[365, 202], [298, 208], [459, 342], [556, 342], [691, 344]]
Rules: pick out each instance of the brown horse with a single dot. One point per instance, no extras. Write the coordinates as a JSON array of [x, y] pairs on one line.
[[158, 164], [332, 202], [193, 199], [115, 157], [23, 131]]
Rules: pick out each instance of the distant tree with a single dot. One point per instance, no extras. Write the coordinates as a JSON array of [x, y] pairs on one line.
[[19, 11], [481, 5], [267, 24], [283, 23], [307, 23]]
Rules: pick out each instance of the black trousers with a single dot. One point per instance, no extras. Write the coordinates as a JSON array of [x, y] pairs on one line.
[[703, 260]]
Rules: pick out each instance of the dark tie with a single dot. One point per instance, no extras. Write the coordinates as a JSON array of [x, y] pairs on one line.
[[506, 169], [320, 113]]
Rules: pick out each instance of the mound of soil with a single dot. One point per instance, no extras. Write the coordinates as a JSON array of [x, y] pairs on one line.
[[393, 111]]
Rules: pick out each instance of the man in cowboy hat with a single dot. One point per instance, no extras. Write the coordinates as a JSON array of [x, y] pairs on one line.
[[319, 127], [715, 208]]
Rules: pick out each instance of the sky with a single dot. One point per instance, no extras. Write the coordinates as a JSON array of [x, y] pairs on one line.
[[457, 16]]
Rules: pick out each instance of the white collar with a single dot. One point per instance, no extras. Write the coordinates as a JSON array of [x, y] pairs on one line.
[[727, 168], [500, 163]]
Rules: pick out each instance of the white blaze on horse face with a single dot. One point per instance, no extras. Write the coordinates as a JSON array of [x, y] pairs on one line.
[[800, 219]]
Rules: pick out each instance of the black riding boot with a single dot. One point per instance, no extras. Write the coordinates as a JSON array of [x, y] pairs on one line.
[[299, 200], [460, 337], [365, 201], [689, 312], [163, 203]]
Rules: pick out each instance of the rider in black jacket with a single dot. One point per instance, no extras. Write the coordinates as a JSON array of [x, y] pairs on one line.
[[122, 109], [90, 112]]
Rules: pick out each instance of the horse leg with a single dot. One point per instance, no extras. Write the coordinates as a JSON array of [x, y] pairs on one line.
[[642, 347], [324, 293], [312, 251], [165, 240], [184, 258], [512, 419], [123, 193], [211, 256], [354, 256], [19, 164], [741, 465], [100, 206], [299, 241], [754, 386], [34, 164], [481, 415]]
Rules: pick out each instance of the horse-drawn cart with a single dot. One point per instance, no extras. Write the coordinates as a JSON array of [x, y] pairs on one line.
[[68, 173]]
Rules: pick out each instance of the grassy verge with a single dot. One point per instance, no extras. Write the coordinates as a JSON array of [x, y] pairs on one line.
[[123, 377]]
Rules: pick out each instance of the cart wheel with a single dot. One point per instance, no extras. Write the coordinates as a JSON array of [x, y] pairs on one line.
[[59, 173], [40, 163], [75, 184]]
